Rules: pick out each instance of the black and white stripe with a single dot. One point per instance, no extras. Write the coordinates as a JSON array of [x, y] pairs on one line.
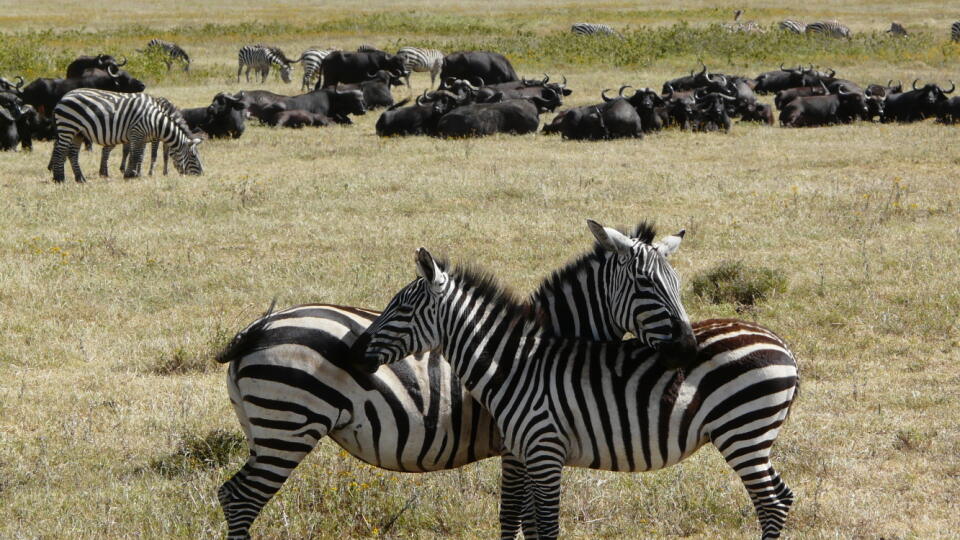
[[422, 60], [312, 59], [611, 406], [955, 32], [294, 368], [175, 115], [111, 118], [791, 25], [260, 58], [172, 52], [829, 28], [592, 29]]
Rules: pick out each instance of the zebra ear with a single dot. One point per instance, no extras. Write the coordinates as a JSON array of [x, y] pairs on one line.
[[427, 268], [611, 239], [196, 141], [669, 244]]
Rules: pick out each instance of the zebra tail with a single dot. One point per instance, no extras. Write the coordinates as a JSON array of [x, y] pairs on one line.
[[247, 340]]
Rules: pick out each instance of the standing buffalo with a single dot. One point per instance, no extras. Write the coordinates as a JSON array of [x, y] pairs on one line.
[[489, 67], [100, 61], [354, 67]]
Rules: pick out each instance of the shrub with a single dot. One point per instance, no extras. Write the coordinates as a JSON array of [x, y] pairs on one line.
[[734, 282], [210, 451]]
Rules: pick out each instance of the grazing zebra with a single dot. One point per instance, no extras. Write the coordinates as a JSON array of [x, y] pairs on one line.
[[420, 60], [829, 28], [260, 58], [955, 32], [791, 25], [312, 59], [175, 115], [172, 52], [111, 118], [611, 406], [897, 30], [592, 29], [295, 368]]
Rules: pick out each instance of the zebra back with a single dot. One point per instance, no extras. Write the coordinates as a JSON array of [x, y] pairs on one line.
[[172, 49], [417, 59], [829, 28], [791, 25], [955, 32], [589, 29]]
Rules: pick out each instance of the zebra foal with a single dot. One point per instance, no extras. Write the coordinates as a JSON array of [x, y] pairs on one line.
[[260, 58], [292, 381], [422, 60], [112, 118], [171, 52], [613, 406]]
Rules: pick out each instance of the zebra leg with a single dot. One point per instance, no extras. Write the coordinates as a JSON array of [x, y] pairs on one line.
[[73, 153], [771, 497], [105, 161], [59, 155], [124, 157], [154, 146], [239, 69], [516, 500], [544, 468], [137, 146], [166, 158]]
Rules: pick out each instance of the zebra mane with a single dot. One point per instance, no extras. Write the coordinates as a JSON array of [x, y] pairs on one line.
[[644, 231], [484, 284]]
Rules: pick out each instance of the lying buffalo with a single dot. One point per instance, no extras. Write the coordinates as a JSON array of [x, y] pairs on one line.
[[517, 116], [613, 119], [824, 110], [915, 104], [418, 119], [224, 117]]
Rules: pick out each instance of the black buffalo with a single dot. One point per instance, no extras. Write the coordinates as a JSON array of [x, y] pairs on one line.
[[517, 116], [915, 104], [786, 96], [550, 93], [224, 117], [19, 122], [613, 119], [758, 112], [45, 93], [100, 61], [376, 91], [299, 119], [422, 117], [711, 112], [488, 67], [771, 82], [948, 111], [355, 67], [824, 110], [881, 91], [650, 106], [331, 102]]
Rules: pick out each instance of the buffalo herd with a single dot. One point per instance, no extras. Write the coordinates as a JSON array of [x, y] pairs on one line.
[[480, 94]]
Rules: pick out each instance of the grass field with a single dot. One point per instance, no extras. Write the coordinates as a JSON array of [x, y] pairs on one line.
[[116, 295]]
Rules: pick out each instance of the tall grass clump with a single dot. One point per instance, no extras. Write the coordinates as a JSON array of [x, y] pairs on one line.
[[733, 282]]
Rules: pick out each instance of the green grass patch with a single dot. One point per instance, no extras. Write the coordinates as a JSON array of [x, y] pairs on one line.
[[213, 450], [736, 283]]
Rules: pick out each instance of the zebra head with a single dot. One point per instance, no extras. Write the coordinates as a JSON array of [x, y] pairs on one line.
[[408, 325], [186, 158], [285, 70], [643, 290]]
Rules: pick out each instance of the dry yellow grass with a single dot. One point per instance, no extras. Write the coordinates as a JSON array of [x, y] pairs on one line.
[[115, 295]]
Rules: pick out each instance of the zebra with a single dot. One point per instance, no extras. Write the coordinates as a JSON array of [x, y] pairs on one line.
[[260, 58], [421, 60], [897, 30], [592, 29], [312, 60], [171, 51], [743, 27], [111, 118], [175, 115], [955, 32], [297, 362], [829, 28], [791, 25], [612, 406]]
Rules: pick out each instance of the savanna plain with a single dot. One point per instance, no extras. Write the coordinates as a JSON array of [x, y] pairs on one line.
[[115, 296]]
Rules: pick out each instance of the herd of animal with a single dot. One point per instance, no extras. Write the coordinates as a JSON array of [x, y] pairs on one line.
[[479, 94]]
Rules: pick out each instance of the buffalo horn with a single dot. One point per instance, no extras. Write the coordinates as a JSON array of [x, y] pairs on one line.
[[604, 95], [545, 79], [622, 88], [20, 84], [953, 87], [113, 70], [915, 83], [832, 73]]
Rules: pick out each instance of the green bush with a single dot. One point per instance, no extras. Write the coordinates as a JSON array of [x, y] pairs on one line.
[[735, 283]]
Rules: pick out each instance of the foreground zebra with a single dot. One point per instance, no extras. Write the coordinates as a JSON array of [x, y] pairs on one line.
[[111, 118], [171, 51], [260, 58], [613, 406], [175, 115], [292, 381], [829, 28], [311, 61], [422, 60], [592, 29]]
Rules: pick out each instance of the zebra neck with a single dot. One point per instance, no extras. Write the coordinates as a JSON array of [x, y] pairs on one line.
[[573, 300]]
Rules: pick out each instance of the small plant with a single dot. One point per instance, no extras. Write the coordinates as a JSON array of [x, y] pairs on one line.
[[736, 283], [192, 355], [210, 451]]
